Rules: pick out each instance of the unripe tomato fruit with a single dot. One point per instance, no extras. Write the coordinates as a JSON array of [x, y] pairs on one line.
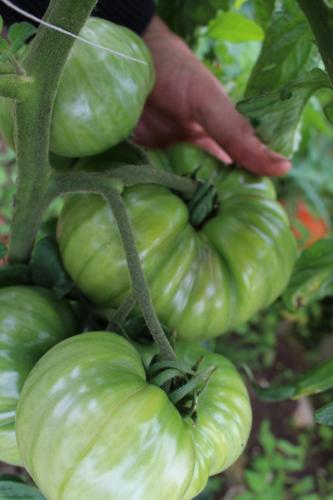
[[100, 96], [32, 320], [89, 425], [203, 280]]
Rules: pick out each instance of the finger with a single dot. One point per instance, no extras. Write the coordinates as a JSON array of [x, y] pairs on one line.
[[209, 145], [157, 129], [217, 115]]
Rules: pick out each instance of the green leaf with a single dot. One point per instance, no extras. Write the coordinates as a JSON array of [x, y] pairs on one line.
[[289, 449], [325, 415], [315, 380], [267, 439], [15, 274], [11, 490], [254, 480], [1, 24], [263, 10], [234, 27], [47, 269], [274, 393], [284, 54], [4, 45], [276, 115], [19, 33], [304, 485], [312, 278]]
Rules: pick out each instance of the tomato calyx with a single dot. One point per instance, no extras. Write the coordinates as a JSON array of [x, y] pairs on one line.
[[203, 205], [182, 383]]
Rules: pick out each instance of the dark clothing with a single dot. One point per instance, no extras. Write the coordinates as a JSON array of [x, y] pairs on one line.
[[134, 14]]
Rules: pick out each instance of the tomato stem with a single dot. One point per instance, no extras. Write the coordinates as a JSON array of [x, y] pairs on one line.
[[139, 286], [92, 182], [124, 310], [320, 18], [43, 66]]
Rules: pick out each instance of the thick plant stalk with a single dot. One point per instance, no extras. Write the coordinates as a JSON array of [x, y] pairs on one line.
[[320, 18], [43, 67]]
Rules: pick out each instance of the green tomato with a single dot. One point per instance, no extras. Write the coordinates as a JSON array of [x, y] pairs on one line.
[[31, 321], [100, 96], [203, 281], [89, 425]]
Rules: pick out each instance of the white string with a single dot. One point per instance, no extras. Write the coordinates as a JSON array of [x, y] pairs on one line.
[[68, 33]]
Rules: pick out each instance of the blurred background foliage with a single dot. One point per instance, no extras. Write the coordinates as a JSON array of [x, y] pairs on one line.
[[263, 52]]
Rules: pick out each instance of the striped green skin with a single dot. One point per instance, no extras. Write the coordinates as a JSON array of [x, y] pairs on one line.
[[100, 96], [32, 320], [90, 426], [202, 282]]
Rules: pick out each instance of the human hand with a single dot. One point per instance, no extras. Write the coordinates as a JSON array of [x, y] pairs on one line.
[[189, 104]]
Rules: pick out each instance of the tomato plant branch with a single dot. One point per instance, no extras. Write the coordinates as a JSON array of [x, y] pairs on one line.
[[129, 175], [320, 17], [108, 187], [43, 64]]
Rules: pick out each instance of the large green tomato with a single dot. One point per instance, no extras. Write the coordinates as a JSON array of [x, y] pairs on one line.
[[203, 281], [100, 96], [89, 425], [31, 321]]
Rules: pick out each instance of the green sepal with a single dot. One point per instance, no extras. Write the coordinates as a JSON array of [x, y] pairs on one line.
[[202, 203], [166, 376], [196, 384], [47, 269], [165, 364]]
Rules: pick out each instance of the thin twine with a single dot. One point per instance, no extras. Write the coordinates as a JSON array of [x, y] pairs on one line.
[[68, 33]]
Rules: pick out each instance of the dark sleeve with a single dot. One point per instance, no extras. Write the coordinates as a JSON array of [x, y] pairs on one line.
[[134, 14]]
